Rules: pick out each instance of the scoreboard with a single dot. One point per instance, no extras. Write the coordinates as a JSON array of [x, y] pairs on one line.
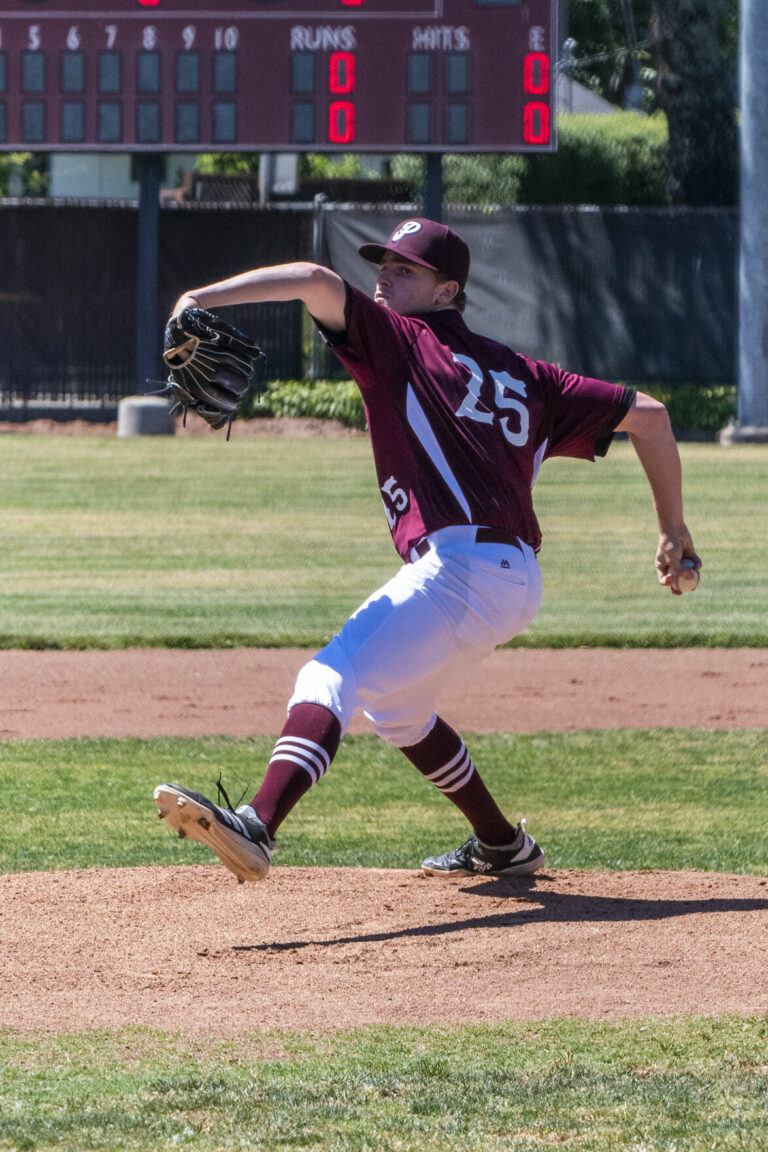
[[278, 75]]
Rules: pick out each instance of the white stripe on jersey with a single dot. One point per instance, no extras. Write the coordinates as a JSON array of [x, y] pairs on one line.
[[310, 756], [453, 775], [418, 421], [538, 460]]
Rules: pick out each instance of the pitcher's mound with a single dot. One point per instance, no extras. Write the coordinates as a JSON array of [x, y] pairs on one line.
[[187, 949]]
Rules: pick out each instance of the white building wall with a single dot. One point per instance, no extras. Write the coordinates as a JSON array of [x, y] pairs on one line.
[[107, 176]]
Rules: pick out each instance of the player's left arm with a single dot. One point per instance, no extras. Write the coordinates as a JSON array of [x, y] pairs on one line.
[[650, 432]]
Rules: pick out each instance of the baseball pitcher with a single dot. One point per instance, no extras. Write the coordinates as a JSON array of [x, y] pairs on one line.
[[459, 427]]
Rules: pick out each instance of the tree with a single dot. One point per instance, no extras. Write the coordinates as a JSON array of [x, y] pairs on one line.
[[686, 55], [612, 47], [697, 91]]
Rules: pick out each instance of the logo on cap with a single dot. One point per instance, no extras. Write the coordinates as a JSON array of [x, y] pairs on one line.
[[406, 229]]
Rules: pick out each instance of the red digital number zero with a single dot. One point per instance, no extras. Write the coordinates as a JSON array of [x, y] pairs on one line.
[[536, 123], [536, 73], [341, 73], [341, 122]]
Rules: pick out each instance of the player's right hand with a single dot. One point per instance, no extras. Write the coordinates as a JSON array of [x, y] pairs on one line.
[[675, 551]]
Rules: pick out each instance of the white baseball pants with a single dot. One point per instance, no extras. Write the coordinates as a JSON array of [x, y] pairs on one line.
[[422, 633]]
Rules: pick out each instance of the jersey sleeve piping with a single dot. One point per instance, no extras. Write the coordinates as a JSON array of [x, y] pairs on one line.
[[606, 438]]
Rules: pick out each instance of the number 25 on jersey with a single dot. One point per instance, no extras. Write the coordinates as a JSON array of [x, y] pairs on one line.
[[503, 385]]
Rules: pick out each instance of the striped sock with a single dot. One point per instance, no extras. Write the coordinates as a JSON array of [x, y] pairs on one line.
[[442, 758], [309, 755], [301, 757], [453, 775]]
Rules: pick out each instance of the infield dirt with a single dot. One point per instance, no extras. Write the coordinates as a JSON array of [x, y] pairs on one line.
[[187, 949]]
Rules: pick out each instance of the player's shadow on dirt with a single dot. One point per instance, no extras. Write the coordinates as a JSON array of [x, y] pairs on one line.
[[533, 905]]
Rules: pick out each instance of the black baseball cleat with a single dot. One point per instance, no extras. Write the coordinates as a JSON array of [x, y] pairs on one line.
[[238, 837], [474, 858]]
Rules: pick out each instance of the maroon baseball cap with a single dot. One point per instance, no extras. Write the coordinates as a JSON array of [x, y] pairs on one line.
[[427, 243]]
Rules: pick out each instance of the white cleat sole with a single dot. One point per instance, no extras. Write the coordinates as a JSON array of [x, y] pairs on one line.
[[247, 861], [527, 868]]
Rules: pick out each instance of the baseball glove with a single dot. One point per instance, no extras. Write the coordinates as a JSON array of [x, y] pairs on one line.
[[211, 365]]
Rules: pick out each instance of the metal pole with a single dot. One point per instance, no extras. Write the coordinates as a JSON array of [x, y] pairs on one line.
[[266, 176], [147, 337], [563, 31], [433, 187], [753, 263]]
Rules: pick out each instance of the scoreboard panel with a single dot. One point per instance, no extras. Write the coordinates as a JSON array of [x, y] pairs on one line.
[[278, 75]]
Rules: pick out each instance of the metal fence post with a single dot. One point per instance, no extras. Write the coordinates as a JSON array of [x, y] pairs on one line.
[[753, 263], [434, 189], [147, 337]]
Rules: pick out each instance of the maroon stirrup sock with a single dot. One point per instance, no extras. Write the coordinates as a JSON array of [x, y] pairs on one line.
[[301, 757]]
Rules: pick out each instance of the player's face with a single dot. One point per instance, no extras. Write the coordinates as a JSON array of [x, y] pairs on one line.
[[406, 288]]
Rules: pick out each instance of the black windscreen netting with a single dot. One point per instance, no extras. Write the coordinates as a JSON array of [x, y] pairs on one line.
[[68, 284], [630, 295]]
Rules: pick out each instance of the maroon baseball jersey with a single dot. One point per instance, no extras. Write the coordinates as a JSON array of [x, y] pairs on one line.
[[460, 424]]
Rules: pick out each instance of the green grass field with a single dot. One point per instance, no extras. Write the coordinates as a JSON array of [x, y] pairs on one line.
[[672, 799], [151, 542], [650, 1085], [156, 541]]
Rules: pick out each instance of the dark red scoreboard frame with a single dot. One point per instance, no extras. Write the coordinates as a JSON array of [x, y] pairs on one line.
[[284, 75]]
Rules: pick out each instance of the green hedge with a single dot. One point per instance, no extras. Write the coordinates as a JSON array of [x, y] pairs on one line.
[[694, 410], [321, 399], [29, 169], [620, 159], [470, 180], [612, 159]]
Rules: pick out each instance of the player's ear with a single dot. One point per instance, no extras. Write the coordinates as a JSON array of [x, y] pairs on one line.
[[446, 291]]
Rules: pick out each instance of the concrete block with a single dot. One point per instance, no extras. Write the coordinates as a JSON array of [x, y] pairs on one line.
[[145, 416]]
